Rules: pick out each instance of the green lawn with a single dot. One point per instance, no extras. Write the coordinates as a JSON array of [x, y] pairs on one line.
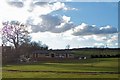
[[54, 75], [89, 65]]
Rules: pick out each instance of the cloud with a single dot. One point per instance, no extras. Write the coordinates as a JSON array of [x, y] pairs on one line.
[[51, 23], [100, 37], [47, 26], [107, 30], [22, 10], [38, 5], [112, 39], [39, 2], [8, 12], [47, 7], [99, 45], [59, 39], [108, 38], [85, 29], [116, 44], [42, 8], [48, 23], [51, 39], [16, 3], [64, 27]]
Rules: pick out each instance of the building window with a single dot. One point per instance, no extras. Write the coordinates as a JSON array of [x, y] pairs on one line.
[[57, 54], [52, 55], [36, 55], [39, 55], [46, 54]]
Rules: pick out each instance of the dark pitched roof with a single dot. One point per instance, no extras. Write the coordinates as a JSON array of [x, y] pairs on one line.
[[54, 51], [41, 52]]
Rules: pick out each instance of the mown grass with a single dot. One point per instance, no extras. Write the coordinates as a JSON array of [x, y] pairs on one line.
[[54, 75], [88, 65]]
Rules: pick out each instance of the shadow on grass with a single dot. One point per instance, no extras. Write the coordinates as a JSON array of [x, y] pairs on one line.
[[60, 79]]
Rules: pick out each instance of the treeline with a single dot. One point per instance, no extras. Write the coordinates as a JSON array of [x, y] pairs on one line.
[[105, 56], [32, 46]]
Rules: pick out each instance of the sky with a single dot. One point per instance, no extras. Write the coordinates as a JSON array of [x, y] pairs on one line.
[[58, 24]]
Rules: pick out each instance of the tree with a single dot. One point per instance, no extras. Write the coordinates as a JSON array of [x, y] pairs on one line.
[[38, 46], [68, 46], [15, 33], [35, 45], [45, 47]]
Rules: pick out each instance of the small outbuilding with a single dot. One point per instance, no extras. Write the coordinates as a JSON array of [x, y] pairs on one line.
[[51, 54]]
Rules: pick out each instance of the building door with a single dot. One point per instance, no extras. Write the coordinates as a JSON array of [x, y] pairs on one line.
[[52, 55], [66, 55]]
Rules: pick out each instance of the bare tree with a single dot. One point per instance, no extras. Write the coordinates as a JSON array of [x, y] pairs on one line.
[[68, 46], [15, 33]]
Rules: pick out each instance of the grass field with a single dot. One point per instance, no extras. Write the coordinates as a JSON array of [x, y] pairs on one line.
[[71, 67]]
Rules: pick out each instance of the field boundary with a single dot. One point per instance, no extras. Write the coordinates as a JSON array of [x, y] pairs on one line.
[[64, 72]]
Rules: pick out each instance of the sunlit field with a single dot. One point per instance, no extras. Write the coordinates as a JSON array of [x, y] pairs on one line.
[[64, 69]]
